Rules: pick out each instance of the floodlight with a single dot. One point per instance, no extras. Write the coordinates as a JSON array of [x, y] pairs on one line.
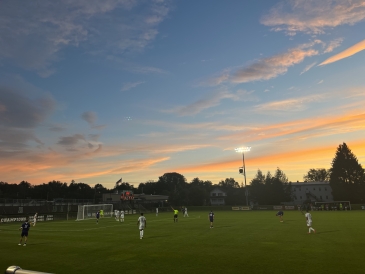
[[243, 149]]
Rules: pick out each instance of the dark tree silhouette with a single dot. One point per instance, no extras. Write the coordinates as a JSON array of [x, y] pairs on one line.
[[347, 176]]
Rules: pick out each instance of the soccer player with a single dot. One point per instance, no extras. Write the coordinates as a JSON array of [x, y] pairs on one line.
[[116, 212], [97, 216], [101, 213], [211, 218], [35, 218], [280, 214], [156, 211], [142, 222], [176, 214], [122, 216], [186, 212], [25, 229], [308, 217]]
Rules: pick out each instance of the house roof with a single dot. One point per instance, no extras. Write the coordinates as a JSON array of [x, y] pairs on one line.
[[218, 189]]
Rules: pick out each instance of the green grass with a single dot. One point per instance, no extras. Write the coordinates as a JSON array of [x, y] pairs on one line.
[[250, 242]]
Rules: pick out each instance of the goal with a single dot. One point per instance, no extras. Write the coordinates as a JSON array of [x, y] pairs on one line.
[[85, 212]]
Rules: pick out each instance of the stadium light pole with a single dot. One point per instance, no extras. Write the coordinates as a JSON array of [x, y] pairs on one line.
[[243, 150]]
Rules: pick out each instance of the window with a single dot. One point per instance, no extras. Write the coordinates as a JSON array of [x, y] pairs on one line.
[[220, 194], [214, 194]]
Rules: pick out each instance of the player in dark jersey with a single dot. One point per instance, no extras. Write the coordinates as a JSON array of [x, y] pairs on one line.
[[280, 214], [97, 216], [211, 218], [25, 229]]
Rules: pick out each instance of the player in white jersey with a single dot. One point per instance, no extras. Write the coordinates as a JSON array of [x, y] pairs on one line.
[[186, 212], [156, 211], [308, 217], [35, 218], [142, 223], [116, 213], [122, 216]]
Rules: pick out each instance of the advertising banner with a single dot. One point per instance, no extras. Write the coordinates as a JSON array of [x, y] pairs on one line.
[[40, 218], [241, 208], [278, 207], [290, 207]]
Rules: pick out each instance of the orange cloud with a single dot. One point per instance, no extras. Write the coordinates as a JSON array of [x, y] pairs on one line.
[[313, 16], [304, 127], [344, 54]]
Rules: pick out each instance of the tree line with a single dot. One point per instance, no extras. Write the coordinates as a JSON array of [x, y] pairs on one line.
[[346, 177]]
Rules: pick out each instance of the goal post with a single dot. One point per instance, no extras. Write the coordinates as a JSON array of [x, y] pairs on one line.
[[85, 212]]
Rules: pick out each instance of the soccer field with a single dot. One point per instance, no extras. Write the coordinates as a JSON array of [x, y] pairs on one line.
[[251, 242]]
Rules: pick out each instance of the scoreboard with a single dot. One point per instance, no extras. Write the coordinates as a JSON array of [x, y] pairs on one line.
[[127, 195]]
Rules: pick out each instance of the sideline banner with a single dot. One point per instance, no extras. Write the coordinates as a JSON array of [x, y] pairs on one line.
[[40, 218], [241, 208], [290, 207], [278, 207]]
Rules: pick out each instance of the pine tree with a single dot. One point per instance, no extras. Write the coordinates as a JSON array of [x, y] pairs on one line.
[[347, 176]]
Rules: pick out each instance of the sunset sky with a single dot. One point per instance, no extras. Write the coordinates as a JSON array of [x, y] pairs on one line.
[[95, 91]]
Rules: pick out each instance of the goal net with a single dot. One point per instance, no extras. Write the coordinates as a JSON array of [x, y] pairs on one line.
[[85, 212]]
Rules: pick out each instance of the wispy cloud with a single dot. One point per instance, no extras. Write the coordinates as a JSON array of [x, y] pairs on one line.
[[136, 68], [307, 128], [212, 101], [90, 117], [270, 67], [128, 86], [333, 44], [293, 104], [320, 82], [32, 34], [71, 140], [313, 16], [344, 54], [308, 67]]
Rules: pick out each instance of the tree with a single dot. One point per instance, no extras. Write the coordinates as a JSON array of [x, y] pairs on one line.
[[228, 183], [271, 189], [317, 175], [347, 176], [198, 192], [257, 189]]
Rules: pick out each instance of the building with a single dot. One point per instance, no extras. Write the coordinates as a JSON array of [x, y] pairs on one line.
[[217, 197], [311, 191]]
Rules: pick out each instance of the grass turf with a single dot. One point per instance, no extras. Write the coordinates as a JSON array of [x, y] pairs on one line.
[[254, 242]]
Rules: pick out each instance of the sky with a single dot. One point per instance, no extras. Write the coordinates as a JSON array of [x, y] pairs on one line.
[[94, 91]]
